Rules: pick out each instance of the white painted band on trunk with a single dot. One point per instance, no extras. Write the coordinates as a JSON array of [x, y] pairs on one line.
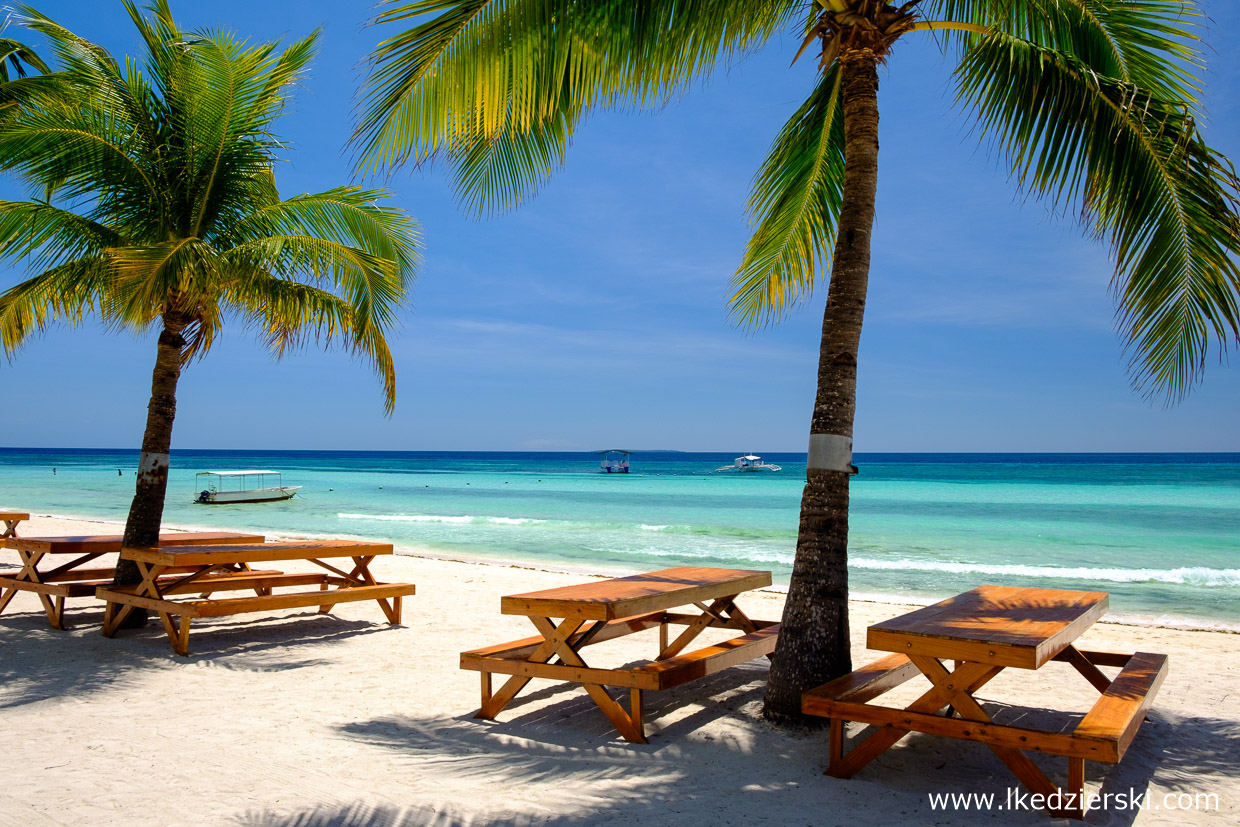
[[151, 462], [830, 452]]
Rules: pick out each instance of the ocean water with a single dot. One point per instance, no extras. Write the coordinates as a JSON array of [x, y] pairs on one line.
[[1160, 532]]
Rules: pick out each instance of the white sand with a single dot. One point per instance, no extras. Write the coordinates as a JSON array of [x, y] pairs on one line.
[[298, 718]]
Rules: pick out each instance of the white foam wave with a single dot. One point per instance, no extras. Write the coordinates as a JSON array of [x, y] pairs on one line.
[[438, 518], [407, 518], [655, 527], [1188, 575]]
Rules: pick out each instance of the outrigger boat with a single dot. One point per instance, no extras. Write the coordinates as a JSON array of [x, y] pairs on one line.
[[250, 487], [615, 461], [749, 463]]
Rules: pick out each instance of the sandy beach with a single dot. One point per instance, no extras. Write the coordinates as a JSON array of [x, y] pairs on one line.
[[292, 717]]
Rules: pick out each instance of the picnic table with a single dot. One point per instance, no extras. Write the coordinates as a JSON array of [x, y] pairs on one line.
[[197, 566], [72, 579], [11, 520], [983, 632], [602, 610]]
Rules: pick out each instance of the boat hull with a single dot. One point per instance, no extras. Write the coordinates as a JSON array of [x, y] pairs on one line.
[[258, 495]]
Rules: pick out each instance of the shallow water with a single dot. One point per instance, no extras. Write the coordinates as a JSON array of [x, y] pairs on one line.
[[1161, 532]]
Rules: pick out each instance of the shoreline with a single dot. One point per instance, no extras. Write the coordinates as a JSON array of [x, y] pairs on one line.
[[419, 552]]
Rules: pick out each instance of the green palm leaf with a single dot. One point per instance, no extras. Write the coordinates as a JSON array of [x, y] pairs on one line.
[[795, 204], [1141, 172], [471, 72]]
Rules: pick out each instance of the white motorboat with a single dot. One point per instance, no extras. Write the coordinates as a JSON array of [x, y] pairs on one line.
[[224, 487], [749, 463]]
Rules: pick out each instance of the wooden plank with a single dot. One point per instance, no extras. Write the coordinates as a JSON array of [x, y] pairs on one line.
[[296, 600], [120, 598], [242, 605], [255, 553], [972, 651], [523, 648], [1086, 667], [66, 586], [62, 589], [638, 594], [1117, 715], [1005, 625], [14, 515], [111, 543], [1101, 658], [711, 659], [933, 700], [247, 580], [626, 678], [1051, 743], [862, 685]]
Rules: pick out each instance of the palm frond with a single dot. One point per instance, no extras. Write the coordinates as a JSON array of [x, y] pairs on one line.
[[796, 201], [50, 235], [1143, 176], [18, 55], [501, 172], [1149, 43], [468, 72], [289, 314], [66, 293]]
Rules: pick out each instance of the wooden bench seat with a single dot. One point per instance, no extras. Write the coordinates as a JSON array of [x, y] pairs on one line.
[[860, 686], [72, 584], [511, 658], [711, 659], [1118, 714], [241, 605]]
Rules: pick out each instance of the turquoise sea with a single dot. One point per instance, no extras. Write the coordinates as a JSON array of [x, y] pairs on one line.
[[1160, 532]]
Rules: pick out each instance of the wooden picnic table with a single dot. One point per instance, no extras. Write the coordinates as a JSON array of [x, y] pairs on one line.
[[72, 579], [983, 632], [605, 609], [198, 566], [11, 520]]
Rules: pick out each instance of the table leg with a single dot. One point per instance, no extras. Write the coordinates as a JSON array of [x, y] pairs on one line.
[[971, 677], [177, 630], [629, 724], [1083, 665], [493, 705], [10, 529], [695, 628], [1016, 760]]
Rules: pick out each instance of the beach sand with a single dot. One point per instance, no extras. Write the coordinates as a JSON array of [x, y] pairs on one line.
[[292, 717]]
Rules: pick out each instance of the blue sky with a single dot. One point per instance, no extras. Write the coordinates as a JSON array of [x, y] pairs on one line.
[[596, 314]]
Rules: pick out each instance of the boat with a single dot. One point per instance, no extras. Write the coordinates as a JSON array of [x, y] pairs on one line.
[[615, 461], [749, 463], [222, 487]]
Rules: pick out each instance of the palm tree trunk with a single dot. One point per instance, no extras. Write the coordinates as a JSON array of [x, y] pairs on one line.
[[146, 513], [814, 639]]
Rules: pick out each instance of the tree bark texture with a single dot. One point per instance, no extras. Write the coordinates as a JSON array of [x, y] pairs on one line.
[[814, 637], [146, 513]]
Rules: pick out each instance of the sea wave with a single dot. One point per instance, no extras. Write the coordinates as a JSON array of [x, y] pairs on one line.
[[438, 518], [1188, 575]]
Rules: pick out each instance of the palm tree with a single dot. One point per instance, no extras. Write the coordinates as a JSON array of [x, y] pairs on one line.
[[157, 209], [1093, 103]]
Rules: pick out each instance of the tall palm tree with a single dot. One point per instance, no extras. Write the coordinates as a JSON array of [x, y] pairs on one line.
[[157, 209], [1092, 102]]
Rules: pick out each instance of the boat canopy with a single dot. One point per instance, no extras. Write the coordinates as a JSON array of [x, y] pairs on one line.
[[233, 473], [614, 451]]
